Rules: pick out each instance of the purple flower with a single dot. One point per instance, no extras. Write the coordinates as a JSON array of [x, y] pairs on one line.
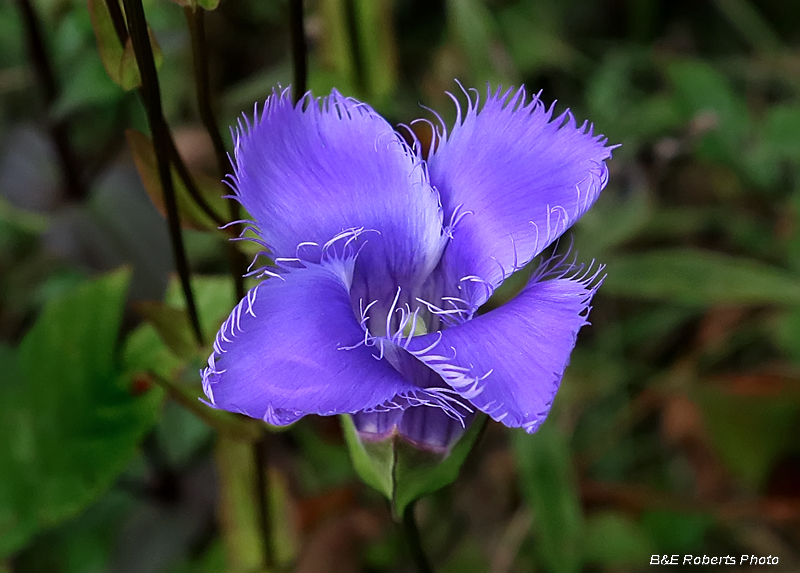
[[383, 258]]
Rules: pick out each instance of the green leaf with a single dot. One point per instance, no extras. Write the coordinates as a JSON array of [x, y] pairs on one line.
[[118, 60], [780, 132], [674, 532], [173, 326], [145, 351], [194, 4], [214, 296], [238, 512], [616, 540], [86, 86], [550, 487], [108, 43], [699, 278], [611, 223], [69, 422], [748, 432], [208, 4], [702, 90], [378, 49], [403, 472], [476, 34]]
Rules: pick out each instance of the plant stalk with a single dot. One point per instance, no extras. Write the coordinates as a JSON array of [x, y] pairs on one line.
[[151, 97], [411, 532], [299, 50], [195, 19], [185, 176]]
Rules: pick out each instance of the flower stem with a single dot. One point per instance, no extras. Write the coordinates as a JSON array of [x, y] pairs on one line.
[[177, 161], [356, 50], [299, 51], [195, 18], [411, 532], [43, 69], [261, 454], [162, 141]]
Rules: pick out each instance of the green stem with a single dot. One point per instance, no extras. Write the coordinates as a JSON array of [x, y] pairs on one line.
[[195, 19], [237, 514], [261, 454], [356, 50], [299, 50], [151, 95], [414, 542]]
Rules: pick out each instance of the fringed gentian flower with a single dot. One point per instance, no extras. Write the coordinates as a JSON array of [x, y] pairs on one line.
[[383, 259]]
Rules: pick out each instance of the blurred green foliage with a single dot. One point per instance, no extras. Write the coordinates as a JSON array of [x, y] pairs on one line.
[[675, 430]]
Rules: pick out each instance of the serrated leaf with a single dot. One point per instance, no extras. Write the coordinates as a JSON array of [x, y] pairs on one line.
[[549, 485], [69, 422], [403, 472], [699, 278], [192, 216]]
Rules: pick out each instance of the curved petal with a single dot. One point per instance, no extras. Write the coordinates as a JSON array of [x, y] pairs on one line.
[[311, 171], [292, 347], [514, 179], [509, 362]]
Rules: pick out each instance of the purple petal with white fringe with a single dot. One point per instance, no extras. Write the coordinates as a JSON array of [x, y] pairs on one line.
[[383, 257]]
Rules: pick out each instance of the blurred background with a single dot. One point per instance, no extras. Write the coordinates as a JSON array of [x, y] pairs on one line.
[[676, 427]]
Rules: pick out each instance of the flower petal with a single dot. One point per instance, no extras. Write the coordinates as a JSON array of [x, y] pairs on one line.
[[311, 171], [509, 362], [426, 427], [292, 347], [515, 179]]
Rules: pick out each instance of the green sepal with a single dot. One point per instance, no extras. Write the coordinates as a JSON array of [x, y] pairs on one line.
[[402, 471]]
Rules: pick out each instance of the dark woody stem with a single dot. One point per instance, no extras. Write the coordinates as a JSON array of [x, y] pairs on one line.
[[43, 69], [162, 142], [121, 29], [411, 532], [195, 18], [299, 51]]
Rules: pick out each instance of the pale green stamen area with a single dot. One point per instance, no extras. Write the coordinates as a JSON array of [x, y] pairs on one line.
[[420, 328]]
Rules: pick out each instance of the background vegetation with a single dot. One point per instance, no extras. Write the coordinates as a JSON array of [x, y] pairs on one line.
[[675, 431]]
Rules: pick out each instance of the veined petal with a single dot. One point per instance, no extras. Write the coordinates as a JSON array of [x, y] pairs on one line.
[[514, 179], [323, 167], [293, 347], [426, 427], [509, 362]]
